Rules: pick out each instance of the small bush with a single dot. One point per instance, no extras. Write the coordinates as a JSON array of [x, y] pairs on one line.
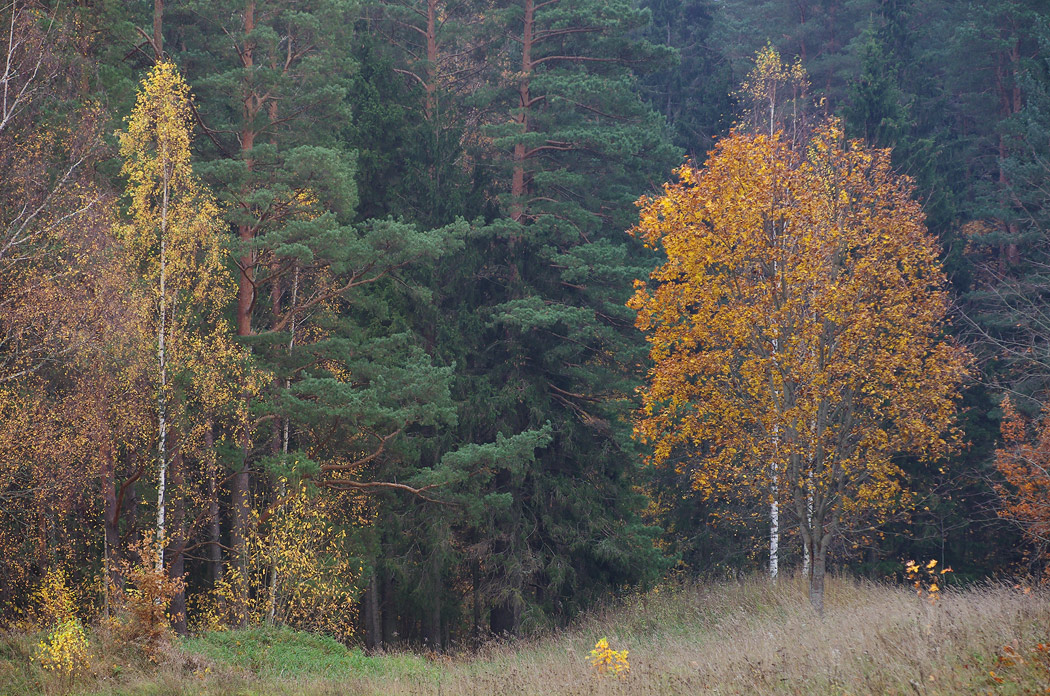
[[607, 662], [65, 650], [145, 621]]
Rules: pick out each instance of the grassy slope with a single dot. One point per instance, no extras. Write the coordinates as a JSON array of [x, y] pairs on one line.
[[734, 638]]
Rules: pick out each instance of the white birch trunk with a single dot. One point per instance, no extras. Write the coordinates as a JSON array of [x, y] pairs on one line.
[[774, 491], [774, 527], [162, 425], [807, 560]]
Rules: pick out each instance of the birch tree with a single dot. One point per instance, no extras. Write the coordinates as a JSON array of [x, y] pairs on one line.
[[798, 320], [171, 237]]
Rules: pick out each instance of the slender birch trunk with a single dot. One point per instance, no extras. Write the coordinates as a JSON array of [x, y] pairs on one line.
[[774, 516], [807, 550], [774, 492], [162, 396]]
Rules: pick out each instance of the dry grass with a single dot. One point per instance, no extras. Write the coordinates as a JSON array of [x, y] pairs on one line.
[[728, 638], [751, 638]]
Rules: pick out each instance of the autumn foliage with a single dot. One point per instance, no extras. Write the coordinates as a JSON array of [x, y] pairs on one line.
[[796, 328], [1024, 461], [607, 662]]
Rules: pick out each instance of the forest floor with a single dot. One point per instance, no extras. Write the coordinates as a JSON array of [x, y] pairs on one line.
[[718, 638]]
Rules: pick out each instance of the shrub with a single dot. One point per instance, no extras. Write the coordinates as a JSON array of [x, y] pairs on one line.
[[65, 650], [608, 662]]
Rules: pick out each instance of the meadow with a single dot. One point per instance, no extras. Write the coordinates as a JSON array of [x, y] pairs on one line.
[[746, 637]]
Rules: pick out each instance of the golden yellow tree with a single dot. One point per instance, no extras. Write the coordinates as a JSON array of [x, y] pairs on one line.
[[172, 240], [797, 321]]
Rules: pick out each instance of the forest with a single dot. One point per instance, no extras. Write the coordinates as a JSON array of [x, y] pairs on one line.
[[422, 323]]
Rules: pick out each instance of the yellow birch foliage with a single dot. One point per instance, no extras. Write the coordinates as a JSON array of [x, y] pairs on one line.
[[303, 537], [316, 574], [798, 321], [156, 152], [65, 648], [774, 95], [169, 205]]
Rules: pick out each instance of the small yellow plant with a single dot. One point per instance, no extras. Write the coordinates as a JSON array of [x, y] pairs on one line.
[[53, 602], [608, 662], [926, 579], [300, 571], [65, 650]]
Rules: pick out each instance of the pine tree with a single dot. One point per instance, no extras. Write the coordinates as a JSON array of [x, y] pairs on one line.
[[576, 143], [531, 314], [345, 377]]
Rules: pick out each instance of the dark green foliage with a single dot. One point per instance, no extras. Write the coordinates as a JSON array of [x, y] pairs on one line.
[[1009, 299], [532, 315], [558, 343], [692, 94], [291, 181]]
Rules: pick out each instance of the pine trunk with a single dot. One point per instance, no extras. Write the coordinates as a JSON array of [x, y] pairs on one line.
[[389, 617], [158, 29], [370, 614], [517, 184], [475, 574], [433, 633], [245, 302], [432, 59]]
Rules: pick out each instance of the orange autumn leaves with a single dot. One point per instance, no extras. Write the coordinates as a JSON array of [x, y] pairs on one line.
[[1025, 464], [797, 321]]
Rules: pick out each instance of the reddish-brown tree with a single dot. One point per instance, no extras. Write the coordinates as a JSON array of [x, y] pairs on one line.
[[1023, 459]]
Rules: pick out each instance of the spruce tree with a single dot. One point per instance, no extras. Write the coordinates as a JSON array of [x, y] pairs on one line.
[[532, 313], [692, 94], [577, 146]]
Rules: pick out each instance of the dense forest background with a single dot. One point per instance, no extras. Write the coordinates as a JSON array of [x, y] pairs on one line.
[[396, 405]]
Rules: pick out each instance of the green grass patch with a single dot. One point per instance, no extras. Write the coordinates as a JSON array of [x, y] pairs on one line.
[[282, 653]]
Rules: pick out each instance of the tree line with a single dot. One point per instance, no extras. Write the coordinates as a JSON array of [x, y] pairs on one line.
[[322, 306]]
